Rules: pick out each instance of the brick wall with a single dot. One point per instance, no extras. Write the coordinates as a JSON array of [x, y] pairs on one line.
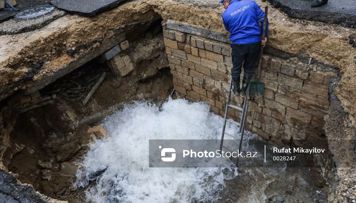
[[296, 96]]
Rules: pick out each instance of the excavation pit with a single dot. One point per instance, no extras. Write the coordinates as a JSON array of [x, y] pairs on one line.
[[84, 69]]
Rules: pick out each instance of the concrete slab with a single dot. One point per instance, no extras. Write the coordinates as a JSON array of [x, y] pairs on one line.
[[341, 12], [21, 5], [5, 15], [85, 7]]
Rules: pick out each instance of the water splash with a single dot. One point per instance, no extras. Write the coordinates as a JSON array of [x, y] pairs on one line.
[[121, 159]]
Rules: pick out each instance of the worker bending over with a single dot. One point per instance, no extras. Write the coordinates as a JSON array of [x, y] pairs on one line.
[[244, 20]]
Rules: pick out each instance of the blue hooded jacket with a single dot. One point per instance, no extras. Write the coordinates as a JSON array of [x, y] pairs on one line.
[[244, 20]]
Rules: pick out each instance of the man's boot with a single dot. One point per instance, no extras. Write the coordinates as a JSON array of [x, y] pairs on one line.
[[245, 84], [318, 3], [236, 87]]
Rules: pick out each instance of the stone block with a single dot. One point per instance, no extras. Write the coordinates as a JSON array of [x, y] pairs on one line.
[[267, 112], [287, 101], [182, 70], [203, 69], [200, 43], [276, 106], [208, 45], [273, 85], [121, 65], [217, 48], [193, 41], [316, 77], [287, 90], [196, 74], [211, 102], [228, 60], [180, 90], [222, 67], [312, 109], [188, 64], [272, 76], [185, 79], [174, 61], [199, 90], [209, 84], [293, 82], [302, 74], [269, 94], [180, 37], [99, 131], [266, 62], [209, 63], [180, 45], [125, 45], [272, 126], [194, 51], [179, 54], [214, 57], [111, 53], [193, 95], [198, 82], [169, 34], [202, 53], [297, 116], [287, 69], [194, 59], [226, 50], [316, 89], [309, 99], [169, 51], [219, 76], [275, 65], [321, 77], [187, 49], [170, 43]]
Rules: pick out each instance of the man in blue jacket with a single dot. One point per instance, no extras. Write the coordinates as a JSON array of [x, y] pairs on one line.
[[244, 20]]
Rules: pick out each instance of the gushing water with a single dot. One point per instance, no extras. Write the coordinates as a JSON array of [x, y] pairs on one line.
[[119, 162]]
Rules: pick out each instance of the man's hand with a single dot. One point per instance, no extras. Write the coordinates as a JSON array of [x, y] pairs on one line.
[[264, 41]]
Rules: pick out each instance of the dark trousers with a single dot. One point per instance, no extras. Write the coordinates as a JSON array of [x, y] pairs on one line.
[[246, 55]]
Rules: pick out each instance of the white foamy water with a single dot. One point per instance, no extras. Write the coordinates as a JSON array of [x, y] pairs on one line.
[[124, 155]]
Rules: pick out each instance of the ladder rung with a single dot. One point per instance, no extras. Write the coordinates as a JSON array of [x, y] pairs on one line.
[[233, 122], [235, 107]]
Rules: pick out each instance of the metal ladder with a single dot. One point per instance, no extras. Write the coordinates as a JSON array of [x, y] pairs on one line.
[[243, 110]]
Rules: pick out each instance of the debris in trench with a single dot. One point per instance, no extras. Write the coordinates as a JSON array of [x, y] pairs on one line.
[[121, 65], [98, 131], [94, 88]]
